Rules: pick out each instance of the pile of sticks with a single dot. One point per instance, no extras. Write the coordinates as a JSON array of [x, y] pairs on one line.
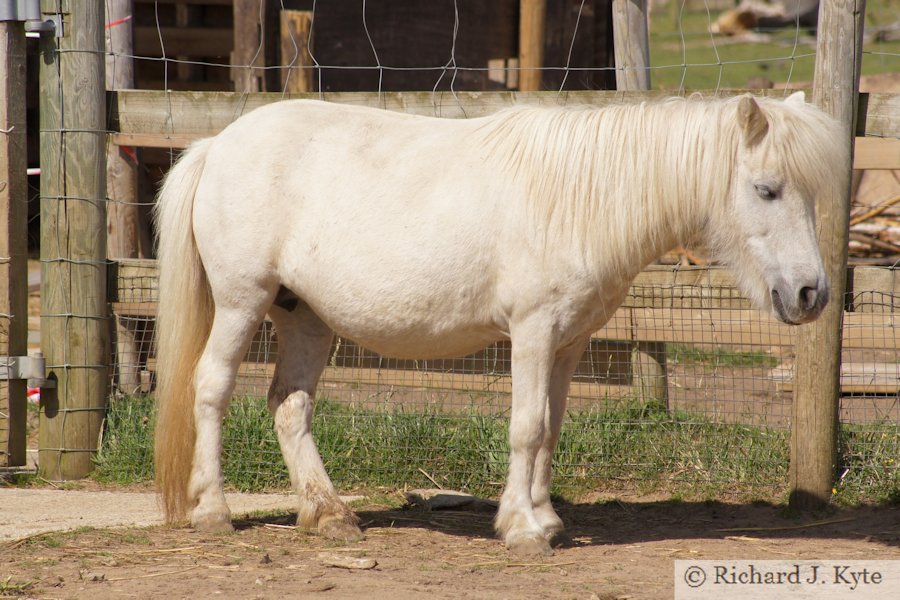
[[875, 234]]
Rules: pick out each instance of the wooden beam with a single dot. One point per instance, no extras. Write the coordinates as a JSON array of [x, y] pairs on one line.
[[532, 25], [876, 153], [123, 217], [877, 115], [688, 315], [631, 44], [875, 289], [255, 39], [13, 239], [859, 379], [121, 163], [297, 76], [153, 117], [814, 421], [74, 313]]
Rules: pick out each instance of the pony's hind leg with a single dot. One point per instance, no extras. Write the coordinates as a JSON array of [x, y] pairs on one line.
[[231, 333], [303, 345]]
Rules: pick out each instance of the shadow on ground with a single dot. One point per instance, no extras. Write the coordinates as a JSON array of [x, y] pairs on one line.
[[621, 523]]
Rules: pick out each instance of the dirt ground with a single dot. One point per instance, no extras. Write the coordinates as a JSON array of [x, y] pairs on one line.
[[621, 547]]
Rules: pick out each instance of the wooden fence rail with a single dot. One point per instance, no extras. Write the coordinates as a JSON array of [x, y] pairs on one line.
[[175, 119], [685, 305]]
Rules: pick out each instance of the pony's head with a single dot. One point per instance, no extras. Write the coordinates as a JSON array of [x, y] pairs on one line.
[[789, 154]]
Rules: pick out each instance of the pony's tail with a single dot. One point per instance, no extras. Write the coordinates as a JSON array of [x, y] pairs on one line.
[[182, 328]]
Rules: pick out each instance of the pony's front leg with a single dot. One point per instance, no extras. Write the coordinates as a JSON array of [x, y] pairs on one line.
[[516, 521], [564, 368]]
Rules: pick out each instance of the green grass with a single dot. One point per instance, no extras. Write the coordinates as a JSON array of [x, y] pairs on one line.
[[634, 446], [685, 56], [719, 357], [869, 468]]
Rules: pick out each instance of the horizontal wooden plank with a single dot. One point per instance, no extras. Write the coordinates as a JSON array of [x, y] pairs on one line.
[[207, 113], [879, 115], [253, 375], [873, 289], [856, 378], [135, 310], [177, 81], [151, 140], [742, 328], [661, 286], [711, 327], [170, 119], [454, 382], [203, 114], [877, 153]]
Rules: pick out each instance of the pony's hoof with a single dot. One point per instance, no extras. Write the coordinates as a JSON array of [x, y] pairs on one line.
[[212, 524], [339, 530], [530, 545]]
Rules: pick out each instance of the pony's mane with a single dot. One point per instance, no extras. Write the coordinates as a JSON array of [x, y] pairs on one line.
[[663, 167]]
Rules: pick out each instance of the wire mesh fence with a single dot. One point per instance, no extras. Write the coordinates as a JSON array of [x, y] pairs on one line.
[[685, 382]]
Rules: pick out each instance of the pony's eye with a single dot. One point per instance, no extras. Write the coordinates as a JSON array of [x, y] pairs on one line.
[[765, 192]]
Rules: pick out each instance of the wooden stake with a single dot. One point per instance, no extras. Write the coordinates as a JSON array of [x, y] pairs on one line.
[[255, 39], [532, 18], [814, 423], [631, 44], [123, 217], [295, 51], [13, 241], [74, 326]]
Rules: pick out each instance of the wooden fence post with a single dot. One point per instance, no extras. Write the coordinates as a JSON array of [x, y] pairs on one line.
[[631, 45], [74, 321], [123, 214], [255, 43], [814, 426], [13, 241], [295, 51], [532, 19]]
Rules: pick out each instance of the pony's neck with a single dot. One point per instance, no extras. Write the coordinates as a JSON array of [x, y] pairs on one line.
[[623, 184]]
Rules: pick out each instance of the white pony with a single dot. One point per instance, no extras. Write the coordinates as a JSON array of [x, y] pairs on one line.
[[425, 238]]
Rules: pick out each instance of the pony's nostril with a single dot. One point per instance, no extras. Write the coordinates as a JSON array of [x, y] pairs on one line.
[[808, 298]]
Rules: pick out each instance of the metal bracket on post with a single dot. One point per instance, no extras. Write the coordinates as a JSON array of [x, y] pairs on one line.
[[29, 12], [31, 368], [51, 24]]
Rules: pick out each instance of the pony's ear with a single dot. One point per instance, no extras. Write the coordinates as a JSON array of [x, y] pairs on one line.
[[796, 98], [752, 121]]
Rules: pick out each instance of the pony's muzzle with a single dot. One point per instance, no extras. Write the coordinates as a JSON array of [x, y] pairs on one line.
[[803, 307]]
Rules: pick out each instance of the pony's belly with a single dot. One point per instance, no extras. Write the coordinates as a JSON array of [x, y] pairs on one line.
[[417, 343]]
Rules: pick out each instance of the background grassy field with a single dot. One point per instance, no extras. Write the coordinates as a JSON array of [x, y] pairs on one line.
[[685, 55]]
